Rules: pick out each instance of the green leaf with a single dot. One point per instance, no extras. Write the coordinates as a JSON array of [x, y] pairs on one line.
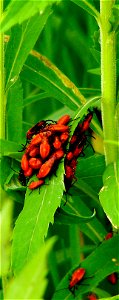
[[8, 147], [33, 222], [109, 194], [26, 284], [91, 170], [14, 112], [111, 298], [62, 217], [94, 229], [96, 54], [42, 73], [19, 11], [22, 40], [97, 266], [88, 6], [5, 164], [96, 71]]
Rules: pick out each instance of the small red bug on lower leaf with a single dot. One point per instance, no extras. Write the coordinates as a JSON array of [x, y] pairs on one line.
[[64, 120], [92, 297], [35, 184], [76, 278], [24, 162], [112, 278], [109, 235]]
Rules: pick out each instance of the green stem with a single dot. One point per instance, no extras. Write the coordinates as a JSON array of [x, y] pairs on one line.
[[2, 104], [108, 79]]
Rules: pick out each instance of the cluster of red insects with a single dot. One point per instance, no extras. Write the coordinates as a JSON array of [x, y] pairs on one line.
[[46, 146]]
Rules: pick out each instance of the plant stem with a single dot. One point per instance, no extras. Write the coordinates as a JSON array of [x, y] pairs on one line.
[[2, 98], [108, 79]]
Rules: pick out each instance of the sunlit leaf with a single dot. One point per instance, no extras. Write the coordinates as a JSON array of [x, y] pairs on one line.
[[42, 73], [18, 11], [14, 112], [109, 194], [22, 40]]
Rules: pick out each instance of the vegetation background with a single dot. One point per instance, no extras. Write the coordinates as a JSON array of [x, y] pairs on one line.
[[60, 57]]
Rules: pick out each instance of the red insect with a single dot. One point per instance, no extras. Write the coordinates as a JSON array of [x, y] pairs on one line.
[[112, 278], [64, 137], [47, 166], [57, 142], [76, 278], [35, 129], [86, 123], [34, 152], [35, 184], [73, 139], [78, 150], [24, 162], [69, 172], [44, 148], [59, 154], [35, 163], [64, 120], [29, 172], [109, 236], [36, 139], [58, 128], [92, 297], [69, 155]]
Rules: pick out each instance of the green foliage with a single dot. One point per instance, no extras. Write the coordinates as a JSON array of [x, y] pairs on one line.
[[53, 54], [94, 272], [109, 193], [25, 285], [33, 222]]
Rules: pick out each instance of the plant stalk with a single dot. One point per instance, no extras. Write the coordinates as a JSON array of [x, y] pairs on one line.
[[108, 79], [2, 97]]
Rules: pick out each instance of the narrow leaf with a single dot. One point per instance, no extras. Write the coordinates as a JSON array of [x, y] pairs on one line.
[[22, 40], [26, 284], [19, 11], [63, 217], [109, 194], [88, 6], [14, 112], [41, 72], [33, 222]]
